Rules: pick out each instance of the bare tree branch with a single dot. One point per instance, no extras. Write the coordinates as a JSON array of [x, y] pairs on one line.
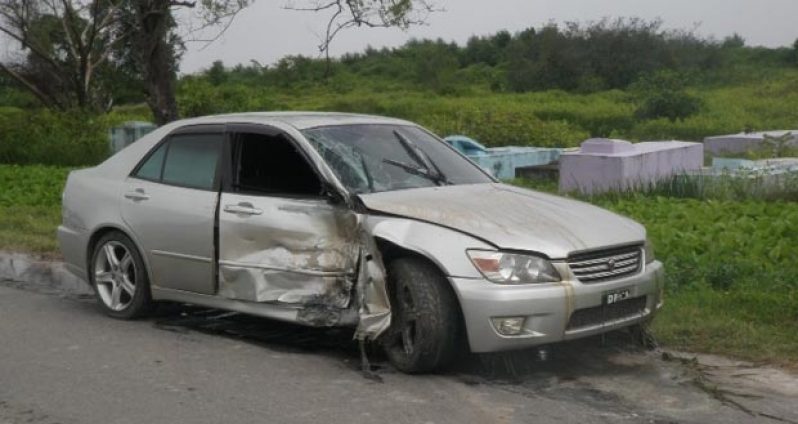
[[44, 98], [317, 8], [33, 49], [369, 13], [62, 61], [213, 15]]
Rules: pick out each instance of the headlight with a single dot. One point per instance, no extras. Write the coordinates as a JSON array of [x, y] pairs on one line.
[[513, 268], [649, 251]]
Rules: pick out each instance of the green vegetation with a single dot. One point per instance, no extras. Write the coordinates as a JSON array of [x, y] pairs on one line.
[[550, 86], [30, 200], [548, 118], [732, 284], [57, 138]]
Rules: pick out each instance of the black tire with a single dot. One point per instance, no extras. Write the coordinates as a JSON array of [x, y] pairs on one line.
[[130, 270], [425, 317]]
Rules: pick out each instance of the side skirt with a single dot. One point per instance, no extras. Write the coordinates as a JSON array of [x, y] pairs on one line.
[[287, 313]]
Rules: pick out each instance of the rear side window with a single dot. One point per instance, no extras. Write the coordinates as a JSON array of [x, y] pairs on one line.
[[151, 168], [186, 160], [191, 160]]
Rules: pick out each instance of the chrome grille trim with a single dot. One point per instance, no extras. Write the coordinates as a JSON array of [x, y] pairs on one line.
[[602, 259], [595, 266]]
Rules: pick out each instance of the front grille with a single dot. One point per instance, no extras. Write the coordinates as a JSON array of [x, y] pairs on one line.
[[588, 317], [603, 265]]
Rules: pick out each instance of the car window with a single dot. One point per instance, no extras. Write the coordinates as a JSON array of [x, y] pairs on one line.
[[151, 168], [271, 164], [191, 160], [371, 158]]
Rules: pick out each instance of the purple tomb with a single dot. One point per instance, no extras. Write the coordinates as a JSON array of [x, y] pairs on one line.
[[605, 165]]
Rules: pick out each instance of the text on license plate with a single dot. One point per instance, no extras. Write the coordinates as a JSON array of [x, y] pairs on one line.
[[616, 296]]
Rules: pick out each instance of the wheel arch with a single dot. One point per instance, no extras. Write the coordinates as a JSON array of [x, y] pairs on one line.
[[390, 250], [102, 230]]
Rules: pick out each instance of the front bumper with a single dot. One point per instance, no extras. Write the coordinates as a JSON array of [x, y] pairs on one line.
[[548, 307]]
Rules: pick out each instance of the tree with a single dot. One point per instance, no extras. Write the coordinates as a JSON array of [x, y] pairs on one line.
[[155, 46], [434, 63], [65, 44], [734, 41], [216, 73], [344, 14], [67, 41]]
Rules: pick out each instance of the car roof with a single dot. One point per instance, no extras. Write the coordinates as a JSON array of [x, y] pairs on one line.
[[120, 164], [299, 120]]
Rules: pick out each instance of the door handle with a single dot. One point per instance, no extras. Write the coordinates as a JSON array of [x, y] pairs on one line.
[[137, 194], [243, 209]]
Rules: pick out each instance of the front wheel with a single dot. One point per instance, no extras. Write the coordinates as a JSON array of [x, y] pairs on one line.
[[424, 317], [119, 278]]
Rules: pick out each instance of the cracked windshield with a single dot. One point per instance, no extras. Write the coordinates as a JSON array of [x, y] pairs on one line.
[[375, 158]]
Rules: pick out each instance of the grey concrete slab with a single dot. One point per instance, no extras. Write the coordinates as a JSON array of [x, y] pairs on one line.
[[744, 142]]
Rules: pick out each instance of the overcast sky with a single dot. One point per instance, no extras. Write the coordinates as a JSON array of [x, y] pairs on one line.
[[266, 32]]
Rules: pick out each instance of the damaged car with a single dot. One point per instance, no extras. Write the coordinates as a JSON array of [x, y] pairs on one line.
[[373, 223]]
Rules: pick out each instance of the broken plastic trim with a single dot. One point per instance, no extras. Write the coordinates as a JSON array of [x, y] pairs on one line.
[[374, 308]]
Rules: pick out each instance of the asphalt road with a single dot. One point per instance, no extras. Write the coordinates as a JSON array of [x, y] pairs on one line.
[[62, 361]]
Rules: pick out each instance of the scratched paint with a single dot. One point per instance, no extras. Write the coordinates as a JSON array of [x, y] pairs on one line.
[[304, 253], [297, 252]]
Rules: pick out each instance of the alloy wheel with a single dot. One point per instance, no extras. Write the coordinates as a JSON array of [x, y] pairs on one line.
[[115, 275]]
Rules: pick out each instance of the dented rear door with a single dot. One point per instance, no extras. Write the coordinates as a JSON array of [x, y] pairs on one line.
[[281, 241]]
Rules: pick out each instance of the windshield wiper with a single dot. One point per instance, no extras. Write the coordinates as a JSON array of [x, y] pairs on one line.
[[430, 169], [415, 170]]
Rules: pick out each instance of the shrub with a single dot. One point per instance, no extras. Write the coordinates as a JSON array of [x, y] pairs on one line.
[[73, 138], [663, 96]]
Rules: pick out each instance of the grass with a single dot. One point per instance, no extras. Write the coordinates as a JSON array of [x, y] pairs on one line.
[[29, 229], [765, 101], [730, 258], [30, 207], [729, 253], [553, 118], [754, 324], [732, 280]]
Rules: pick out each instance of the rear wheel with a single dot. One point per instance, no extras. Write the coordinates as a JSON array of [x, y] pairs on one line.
[[119, 278], [424, 317]]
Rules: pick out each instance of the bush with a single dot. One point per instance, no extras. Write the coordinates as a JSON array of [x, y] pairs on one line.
[[663, 96], [72, 138], [501, 128]]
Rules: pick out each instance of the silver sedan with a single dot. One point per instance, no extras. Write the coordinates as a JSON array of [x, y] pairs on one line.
[[349, 220]]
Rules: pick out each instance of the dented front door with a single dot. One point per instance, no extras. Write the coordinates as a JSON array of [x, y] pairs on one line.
[[293, 250]]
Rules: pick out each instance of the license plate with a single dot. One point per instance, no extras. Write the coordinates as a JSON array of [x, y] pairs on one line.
[[615, 296]]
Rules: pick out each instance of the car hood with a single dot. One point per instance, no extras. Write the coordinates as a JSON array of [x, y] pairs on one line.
[[512, 218]]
